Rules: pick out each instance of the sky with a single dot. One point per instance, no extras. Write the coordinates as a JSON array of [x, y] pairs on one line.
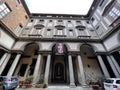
[[77, 7]]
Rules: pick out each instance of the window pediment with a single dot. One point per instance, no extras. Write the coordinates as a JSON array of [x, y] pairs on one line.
[[80, 27], [59, 27], [39, 26]]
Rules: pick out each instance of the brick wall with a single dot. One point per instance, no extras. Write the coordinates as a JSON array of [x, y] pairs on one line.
[[16, 16]]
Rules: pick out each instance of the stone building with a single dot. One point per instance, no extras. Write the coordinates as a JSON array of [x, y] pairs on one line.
[[62, 49]]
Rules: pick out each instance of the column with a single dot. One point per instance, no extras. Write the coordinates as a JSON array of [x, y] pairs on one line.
[[15, 62], [3, 58], [87, 33], [112, 66], [54, 32], [71, 71], [47, 69], [37, 67], [65, 32], [42, 31], [80, 64], [76, 32], [4, 63], [103, 67], [115, 63]]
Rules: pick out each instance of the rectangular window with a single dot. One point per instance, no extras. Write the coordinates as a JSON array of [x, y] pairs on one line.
[[17, 2], [48, 32], [60, 32], [82, 32], [4, 10], [71, 32], [19, 27], [38, 31], [114, 13]]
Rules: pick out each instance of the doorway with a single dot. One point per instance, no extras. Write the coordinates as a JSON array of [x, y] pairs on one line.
[[58, 74], [59, 69]]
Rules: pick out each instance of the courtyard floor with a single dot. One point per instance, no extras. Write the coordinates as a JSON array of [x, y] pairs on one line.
[[60, 88]]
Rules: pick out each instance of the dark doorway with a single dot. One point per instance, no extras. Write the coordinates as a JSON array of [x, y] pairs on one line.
[[58, 73], [59, 60]]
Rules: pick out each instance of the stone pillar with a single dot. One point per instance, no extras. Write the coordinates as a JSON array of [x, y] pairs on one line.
[[103, 67], [113, 66], [36, 70], [3, 58], [65, 32], [15, 62], [115, 63], [42, 32], [76, 32], [4, 63], [87, 33], [47, 69], [54, 32], [80, 64], [72, 81]]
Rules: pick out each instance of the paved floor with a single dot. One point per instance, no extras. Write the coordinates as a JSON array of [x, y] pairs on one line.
[[59, 88]]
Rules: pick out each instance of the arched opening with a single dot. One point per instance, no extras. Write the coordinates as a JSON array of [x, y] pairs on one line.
[[28, 60], [91, 65], [59, 64]]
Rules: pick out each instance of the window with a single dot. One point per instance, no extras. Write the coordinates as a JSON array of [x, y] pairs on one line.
[[69, 21], [92, 19], [41, 20], [71, 32], [19, 27], [48, 32], [17, 2], [114, 13], [50, 20], [82, 32], [38, 31], [59, 20], [32, 20], [78, 22], [4, 10], [59, 32]]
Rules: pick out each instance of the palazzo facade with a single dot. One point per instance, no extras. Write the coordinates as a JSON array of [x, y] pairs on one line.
[[62, 49]]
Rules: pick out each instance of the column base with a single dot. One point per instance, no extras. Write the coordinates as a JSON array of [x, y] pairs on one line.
[[72, 85], [85, 85]]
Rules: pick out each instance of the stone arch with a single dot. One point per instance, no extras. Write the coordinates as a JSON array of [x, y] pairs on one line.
[[91, 45], [84, 48], [30, 48], [90, 63], [27, 43]]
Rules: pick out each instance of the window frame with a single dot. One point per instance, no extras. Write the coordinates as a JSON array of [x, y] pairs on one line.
[[3, 7]]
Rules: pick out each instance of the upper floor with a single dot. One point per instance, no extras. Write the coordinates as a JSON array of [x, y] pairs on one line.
[[101, 21]]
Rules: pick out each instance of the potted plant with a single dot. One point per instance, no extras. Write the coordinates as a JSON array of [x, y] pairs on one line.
[[45, 85]]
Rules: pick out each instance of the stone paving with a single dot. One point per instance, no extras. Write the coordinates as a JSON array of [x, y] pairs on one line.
[[59, 88]]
